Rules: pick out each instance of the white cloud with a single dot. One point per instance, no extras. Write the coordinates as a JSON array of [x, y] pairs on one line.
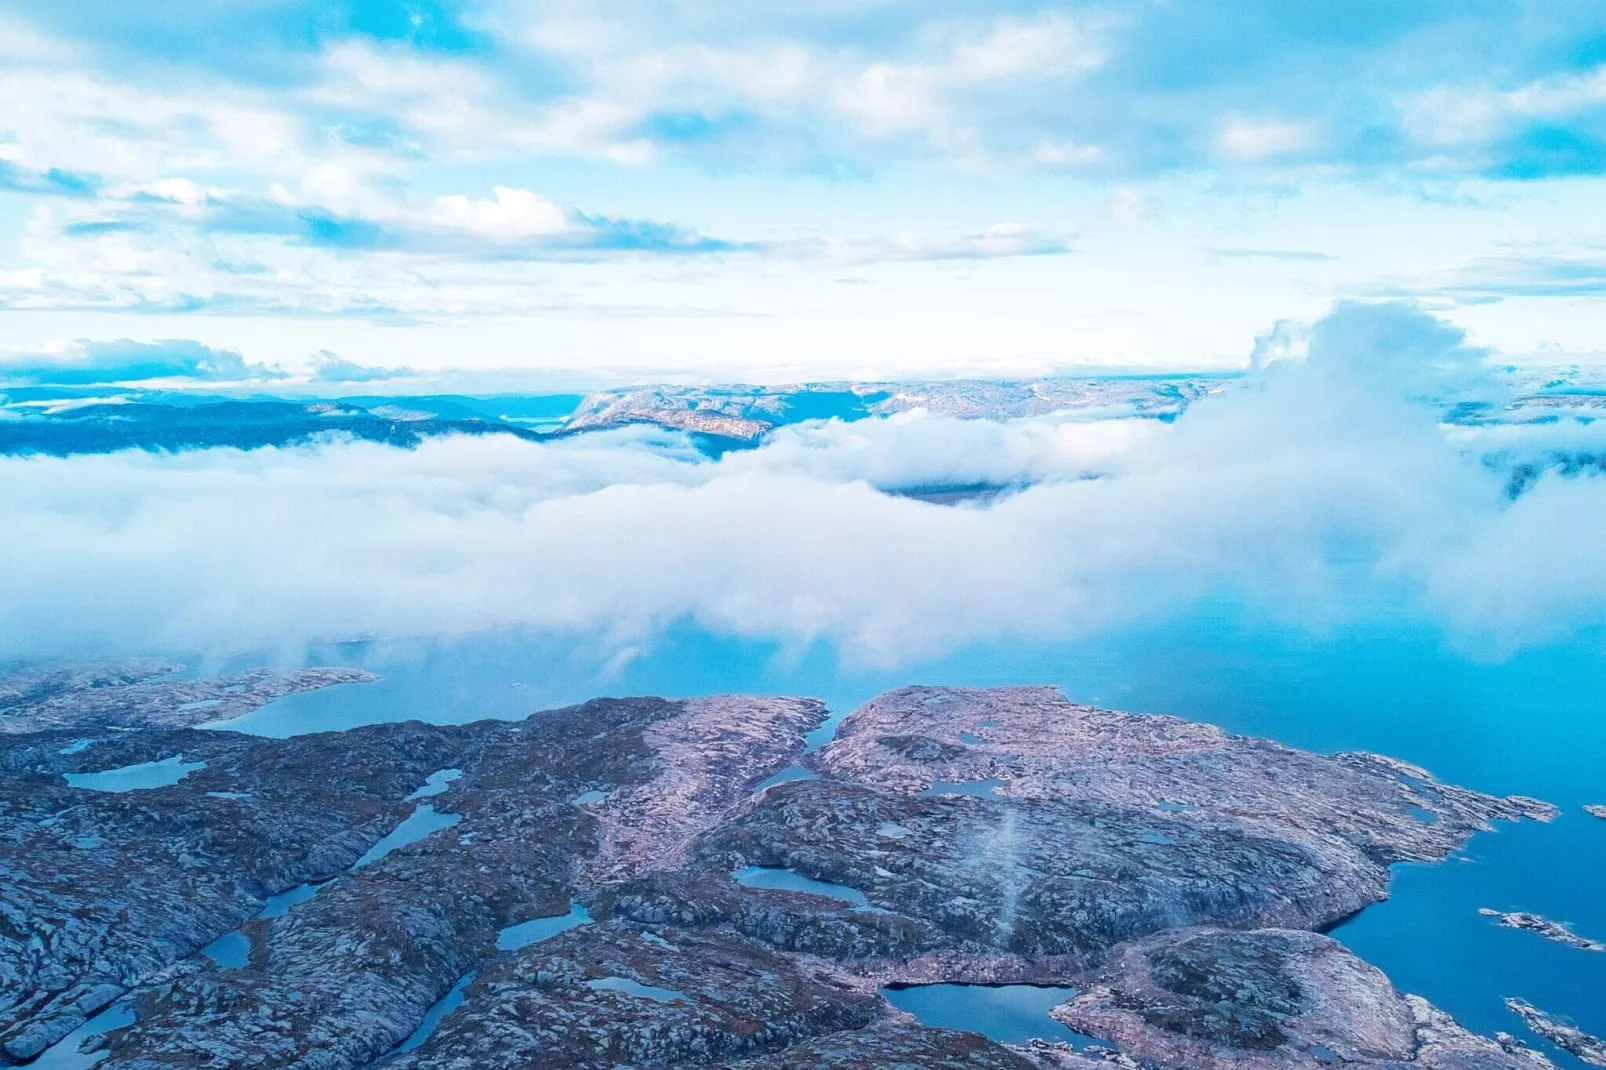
[[1319, 491], [513, 214], [1247, 139], [1447, 116]]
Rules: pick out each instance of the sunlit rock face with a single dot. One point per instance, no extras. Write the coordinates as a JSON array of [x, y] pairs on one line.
[[1167, 872]]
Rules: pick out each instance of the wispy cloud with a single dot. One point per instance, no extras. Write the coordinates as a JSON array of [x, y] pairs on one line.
[[1308, 256], [51, 180], [1497, 278]]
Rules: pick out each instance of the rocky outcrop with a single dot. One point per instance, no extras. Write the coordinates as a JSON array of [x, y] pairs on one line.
[[1038, 745], [952, 835], [1550, 930], [709, 758], [1563, 1034], [137, 882], [890, 1043], [613, 995], [141, 693], [1264, 999]]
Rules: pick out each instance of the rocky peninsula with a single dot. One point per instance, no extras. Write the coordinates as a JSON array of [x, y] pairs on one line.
[[612, 884]]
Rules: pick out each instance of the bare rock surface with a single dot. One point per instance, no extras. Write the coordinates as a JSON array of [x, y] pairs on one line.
[[891, 1043], [692, 997], [135, 694], [1039, 745], [352, 881], [749, 412], [1542, 926], [1212, 999], [709, 759], [1560, 1032]]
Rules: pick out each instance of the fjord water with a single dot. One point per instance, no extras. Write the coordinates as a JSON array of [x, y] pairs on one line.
[[1533, 723]]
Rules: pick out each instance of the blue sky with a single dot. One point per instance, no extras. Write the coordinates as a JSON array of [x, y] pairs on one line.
[[611, 190]]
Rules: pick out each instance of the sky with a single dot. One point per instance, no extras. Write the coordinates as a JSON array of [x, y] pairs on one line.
[[605, 191]]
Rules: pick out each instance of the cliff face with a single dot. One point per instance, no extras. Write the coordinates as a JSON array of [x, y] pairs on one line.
[[307, 902]]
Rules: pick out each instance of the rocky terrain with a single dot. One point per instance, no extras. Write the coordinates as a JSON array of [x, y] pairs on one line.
[[749, 412], [136, 420], [1214, 1000], [140, 693], [1550, 930], [1564, 1035], [335, 900]]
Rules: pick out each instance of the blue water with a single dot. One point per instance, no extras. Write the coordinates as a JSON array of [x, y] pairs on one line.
[[636, 988], [1533, 723], [231, 951], [774, 878], [786, 776], [436, 1013], [1010, 1014], [436, 784], [277, 906], [586, 798], [138, 777], [65, 1053], [418, 824], [526, 933]]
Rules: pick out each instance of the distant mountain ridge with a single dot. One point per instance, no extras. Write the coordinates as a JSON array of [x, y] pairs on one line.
[[719, 418]]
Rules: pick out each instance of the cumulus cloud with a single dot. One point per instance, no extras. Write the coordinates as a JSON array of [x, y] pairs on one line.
[[89, 363], [1324, 486]]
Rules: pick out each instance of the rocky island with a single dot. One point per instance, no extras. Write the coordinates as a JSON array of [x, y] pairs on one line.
[[656, 883], [1550, 930]]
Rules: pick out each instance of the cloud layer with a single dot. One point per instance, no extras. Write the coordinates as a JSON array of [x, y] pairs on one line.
[[123, 361], [1324, 488]]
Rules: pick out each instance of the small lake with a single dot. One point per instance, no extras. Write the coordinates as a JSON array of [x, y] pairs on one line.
[[636, 988], [1009, 1014], [436, 783], [775, 878], [790, 774], [420, 823], [140, 777], [65, 1053], [232, 951], [437, 1013], [535, 930]]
